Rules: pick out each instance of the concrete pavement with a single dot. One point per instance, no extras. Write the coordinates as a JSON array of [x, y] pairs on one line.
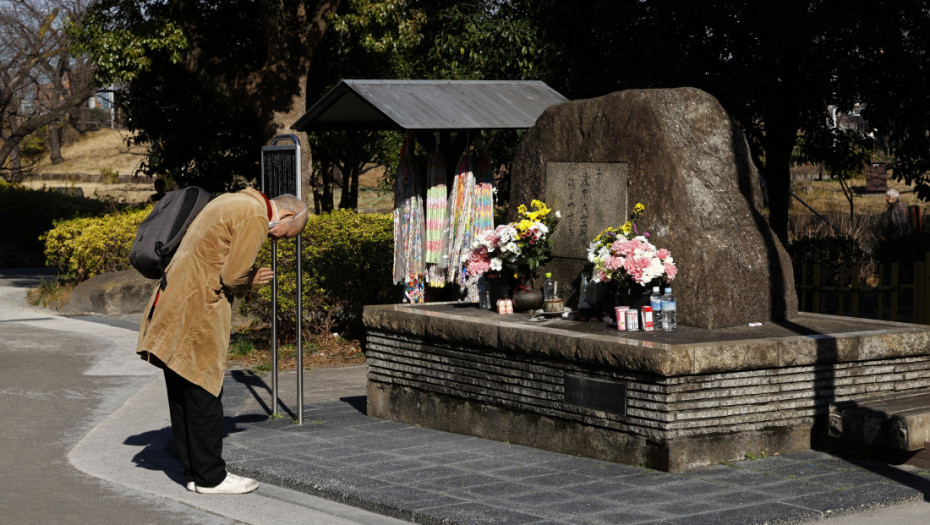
[[438, 477], [73, 389], [85, 434]]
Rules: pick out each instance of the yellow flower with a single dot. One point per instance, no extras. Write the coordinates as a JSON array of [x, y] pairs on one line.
[[533, 215], [639, 208], [524, 225], [522, 209], [626, 228]]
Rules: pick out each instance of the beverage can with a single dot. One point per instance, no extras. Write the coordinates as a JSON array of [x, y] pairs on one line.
[[648, 325], [632, 320], [621, 317]]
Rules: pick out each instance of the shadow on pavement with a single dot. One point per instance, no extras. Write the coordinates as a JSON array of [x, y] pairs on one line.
[[359, 403], [158, 454], [257, 386]]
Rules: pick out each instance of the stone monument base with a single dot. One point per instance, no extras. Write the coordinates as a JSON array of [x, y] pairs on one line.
[[668, 401]]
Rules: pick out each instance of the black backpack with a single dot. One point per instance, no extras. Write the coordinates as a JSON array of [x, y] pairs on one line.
[[161, 231]]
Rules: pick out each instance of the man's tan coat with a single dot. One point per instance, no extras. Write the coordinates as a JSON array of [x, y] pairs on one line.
[[189, 329]]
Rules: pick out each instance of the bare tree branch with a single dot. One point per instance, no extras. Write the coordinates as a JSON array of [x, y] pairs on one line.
[[38, 84]]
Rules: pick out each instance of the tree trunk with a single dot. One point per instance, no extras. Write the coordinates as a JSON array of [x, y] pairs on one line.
[[16, 165], [14, 156], [315, 23], [58, 92], [349, 198], [849, 194], [780, 135], [54, 143], [326, 203], [281, 125], [323, 189], [353, 188], [20, 130]]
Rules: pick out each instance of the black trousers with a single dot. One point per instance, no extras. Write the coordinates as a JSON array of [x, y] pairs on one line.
[[197, 426]]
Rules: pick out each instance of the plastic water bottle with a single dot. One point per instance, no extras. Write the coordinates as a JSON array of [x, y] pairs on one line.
[[484, 294], [549, 291], [655, 301], [669, 311]]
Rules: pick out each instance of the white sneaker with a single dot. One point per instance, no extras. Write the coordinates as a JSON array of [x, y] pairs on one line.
[[233, 484], [191, 487]]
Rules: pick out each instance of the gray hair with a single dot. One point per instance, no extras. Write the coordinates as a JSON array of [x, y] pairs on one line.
[[893, 193], [292, 203]]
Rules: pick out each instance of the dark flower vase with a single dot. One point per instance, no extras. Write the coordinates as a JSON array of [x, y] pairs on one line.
[[500, 288], [527, 298], [634, 296]]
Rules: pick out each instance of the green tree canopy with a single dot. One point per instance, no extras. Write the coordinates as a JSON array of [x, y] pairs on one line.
[[775, 66], [208, 82]]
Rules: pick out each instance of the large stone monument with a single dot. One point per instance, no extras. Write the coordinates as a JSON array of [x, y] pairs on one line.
[[713, 390], [677, 152]]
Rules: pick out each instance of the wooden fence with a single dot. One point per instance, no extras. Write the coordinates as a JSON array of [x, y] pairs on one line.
[[901, 292]]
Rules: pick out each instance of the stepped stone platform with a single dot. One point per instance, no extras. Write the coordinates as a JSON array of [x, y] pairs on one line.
[[898, 421], [669, 401]]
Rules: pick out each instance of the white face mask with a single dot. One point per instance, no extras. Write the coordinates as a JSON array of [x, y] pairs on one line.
[[272, 224]]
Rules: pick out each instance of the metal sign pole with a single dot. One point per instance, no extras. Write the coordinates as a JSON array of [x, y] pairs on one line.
[[274, 328], [300, 353], [300, 296], [274, 307], [280, 175]]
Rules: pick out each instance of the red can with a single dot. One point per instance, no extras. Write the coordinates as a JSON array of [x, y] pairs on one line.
[[648, 325]]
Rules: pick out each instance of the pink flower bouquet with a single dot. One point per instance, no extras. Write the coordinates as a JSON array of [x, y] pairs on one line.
[[623, 256]]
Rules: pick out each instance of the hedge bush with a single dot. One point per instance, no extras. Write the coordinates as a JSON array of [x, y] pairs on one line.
[[347, 263], [85, 247], [27, 214]]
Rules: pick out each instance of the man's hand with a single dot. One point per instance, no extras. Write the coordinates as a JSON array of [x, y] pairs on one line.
[[262, 276]]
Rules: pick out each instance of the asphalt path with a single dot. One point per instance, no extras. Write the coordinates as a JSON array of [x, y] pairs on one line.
[[85, 432]]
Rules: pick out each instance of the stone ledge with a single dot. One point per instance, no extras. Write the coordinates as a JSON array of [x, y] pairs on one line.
[[443, 412], [808, 339], [674, 407]]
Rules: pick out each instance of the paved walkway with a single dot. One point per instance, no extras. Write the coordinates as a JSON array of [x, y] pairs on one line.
[[428, 476]]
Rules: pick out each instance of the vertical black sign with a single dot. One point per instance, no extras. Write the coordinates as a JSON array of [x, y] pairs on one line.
[[279, 170]]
